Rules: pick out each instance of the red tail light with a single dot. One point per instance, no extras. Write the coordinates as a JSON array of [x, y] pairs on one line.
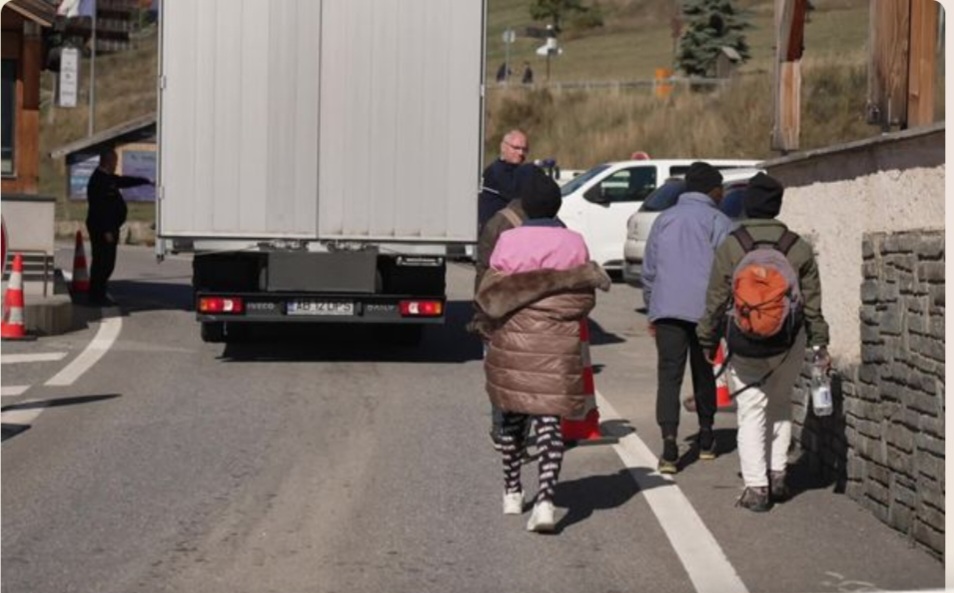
[[421, 308], [228, 305]]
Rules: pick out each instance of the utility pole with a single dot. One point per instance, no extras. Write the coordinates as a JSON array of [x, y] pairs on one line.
[[789, 41], [92, 73]]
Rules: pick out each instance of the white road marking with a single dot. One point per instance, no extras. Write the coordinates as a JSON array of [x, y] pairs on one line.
[[702, 557], [38, 357], [109, 330], [13, 390], [23, 417]]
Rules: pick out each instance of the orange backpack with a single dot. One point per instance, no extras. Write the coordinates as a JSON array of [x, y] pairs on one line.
[[766, 309]]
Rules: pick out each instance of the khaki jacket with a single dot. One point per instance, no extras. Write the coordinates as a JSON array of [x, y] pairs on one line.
[[730, 253], [534, 361]]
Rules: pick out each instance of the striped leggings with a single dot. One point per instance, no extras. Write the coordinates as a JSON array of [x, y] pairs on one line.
[[549, 444]]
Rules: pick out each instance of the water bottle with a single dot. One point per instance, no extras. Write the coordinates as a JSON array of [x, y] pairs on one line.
[[821, 385]]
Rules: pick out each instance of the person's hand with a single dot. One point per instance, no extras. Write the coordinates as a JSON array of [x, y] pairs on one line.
[[710, 354], [822, 357], [651, 328], [109, 237]]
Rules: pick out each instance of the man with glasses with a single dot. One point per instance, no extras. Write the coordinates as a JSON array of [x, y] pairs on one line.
[[499, 176]]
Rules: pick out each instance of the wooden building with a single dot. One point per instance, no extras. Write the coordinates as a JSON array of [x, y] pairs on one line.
[[22, 61]]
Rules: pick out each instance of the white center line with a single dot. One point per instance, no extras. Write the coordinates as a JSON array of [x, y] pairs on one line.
[[702, 557], [38, 357], [108, 332], [13, 390]]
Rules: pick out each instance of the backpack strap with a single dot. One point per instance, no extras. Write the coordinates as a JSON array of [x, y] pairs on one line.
[[786, 241], [511, 216], [744, 238]]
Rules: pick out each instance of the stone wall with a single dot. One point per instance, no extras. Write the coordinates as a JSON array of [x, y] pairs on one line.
[[884, 444], [874, 213]]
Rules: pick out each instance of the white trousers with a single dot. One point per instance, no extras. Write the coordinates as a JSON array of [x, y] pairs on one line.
[[765, 412]]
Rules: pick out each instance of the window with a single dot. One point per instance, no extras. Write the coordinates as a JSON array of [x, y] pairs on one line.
[[8, 113], [629, 185]]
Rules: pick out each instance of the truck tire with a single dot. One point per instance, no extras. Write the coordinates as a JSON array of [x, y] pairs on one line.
[[213, 332]]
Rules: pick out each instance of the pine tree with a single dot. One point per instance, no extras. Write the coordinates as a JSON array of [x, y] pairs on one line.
[[709, 25], [556, 11]]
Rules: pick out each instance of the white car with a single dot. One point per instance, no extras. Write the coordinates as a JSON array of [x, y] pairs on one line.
[[597, 202], [665, 196]]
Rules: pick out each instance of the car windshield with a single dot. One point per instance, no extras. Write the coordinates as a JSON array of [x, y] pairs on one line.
[[578, 181], [664, 196]]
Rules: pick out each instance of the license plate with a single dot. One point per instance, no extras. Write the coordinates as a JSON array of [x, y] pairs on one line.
[[320, 308]]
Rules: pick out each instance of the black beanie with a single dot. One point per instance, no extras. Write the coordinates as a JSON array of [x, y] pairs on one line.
[[702, 177], [763, 198], [539, 195]]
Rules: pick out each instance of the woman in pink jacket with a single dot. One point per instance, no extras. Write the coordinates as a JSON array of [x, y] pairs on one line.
[[539, 288]]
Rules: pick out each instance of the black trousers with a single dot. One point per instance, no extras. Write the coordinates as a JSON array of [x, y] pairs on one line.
[[675, 340], [103, 264]]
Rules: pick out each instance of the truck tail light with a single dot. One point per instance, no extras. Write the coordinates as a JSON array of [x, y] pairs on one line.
[[421, 308], [227, 305]]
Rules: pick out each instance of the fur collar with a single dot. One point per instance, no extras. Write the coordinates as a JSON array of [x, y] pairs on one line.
[[500, 294]]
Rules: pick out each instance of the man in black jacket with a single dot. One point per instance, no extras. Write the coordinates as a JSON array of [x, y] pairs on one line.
[[499, 187], [105, 214]]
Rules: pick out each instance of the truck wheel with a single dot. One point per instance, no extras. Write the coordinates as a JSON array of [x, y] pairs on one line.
[[213, 332]]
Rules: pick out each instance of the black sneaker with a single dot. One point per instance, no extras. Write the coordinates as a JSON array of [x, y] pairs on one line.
[[778, 489], [669, 457], [495, 438], [707, 444], [755, 499]]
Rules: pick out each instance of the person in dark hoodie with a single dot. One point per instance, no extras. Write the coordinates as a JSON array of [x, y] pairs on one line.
[[676, 266], [105, 214], [539, 288], [764, 383]]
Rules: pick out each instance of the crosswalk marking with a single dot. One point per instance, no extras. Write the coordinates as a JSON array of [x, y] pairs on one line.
[[38, 357], [13, 390]]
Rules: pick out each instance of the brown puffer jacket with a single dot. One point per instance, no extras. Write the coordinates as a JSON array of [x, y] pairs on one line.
[[534, 363]]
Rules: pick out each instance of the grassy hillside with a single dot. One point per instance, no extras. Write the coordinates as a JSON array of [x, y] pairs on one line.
[[580, 127]]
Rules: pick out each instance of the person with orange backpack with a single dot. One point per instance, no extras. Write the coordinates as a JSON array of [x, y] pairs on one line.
[[765, 300]]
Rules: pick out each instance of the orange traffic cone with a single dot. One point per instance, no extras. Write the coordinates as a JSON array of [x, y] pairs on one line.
[[722, 378], [80, 282], [585, 428], [12, 326]]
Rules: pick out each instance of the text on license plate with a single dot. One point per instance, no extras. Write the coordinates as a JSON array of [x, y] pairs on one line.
[[320, 308]]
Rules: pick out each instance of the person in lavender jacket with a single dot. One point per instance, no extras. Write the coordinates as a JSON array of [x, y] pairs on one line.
[[676, 266]]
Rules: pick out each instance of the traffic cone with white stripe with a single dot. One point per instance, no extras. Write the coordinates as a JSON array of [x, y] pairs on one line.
[[12, 327], [80, 281], [722, 378], [584, 429]]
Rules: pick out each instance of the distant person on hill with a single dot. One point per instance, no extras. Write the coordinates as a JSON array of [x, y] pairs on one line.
[[503, 73], [527, 74], [106, 213]]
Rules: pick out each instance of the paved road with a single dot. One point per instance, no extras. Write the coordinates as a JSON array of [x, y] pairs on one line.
[[137, 458]]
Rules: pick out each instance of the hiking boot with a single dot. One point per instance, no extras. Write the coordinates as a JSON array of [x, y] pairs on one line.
[[707, 444], [669, 457], [513, 503], [778, 489], [756, 499], [542, 519]]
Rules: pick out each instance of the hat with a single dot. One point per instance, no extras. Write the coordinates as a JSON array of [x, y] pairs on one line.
[[702, 177], [539, 195], [763, 198]]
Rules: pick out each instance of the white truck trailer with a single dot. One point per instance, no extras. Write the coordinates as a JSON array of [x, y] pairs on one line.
[[319, 156]]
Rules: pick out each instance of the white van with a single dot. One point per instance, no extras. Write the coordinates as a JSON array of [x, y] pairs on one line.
[[598, 203]]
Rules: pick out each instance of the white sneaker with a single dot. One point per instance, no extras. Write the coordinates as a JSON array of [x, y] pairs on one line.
[[542, 518], [513, 503]]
